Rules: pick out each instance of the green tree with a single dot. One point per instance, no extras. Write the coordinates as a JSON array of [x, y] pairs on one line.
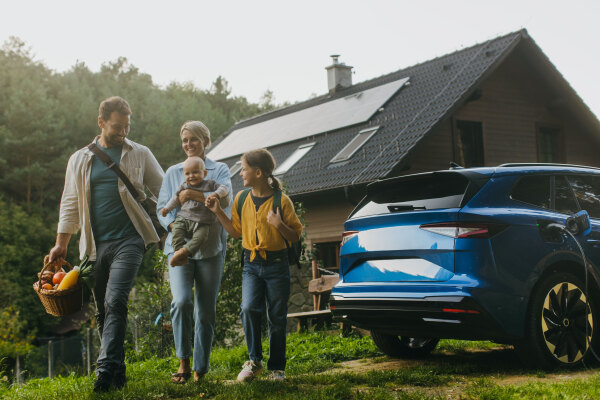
[[25, 240], [14, 340]]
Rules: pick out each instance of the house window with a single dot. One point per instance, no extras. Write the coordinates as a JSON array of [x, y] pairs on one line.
[[355, 144], [328, 255], [549, 140], [235, 168], [293, 159], [469, 143]]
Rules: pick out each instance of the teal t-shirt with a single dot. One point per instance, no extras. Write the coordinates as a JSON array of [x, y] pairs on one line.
[[108, 216]]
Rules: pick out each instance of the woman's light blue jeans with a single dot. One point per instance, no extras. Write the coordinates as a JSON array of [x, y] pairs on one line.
[[266, 282], [193, 313]]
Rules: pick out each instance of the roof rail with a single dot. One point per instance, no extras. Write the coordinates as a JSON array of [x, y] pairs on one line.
[[545, 165]]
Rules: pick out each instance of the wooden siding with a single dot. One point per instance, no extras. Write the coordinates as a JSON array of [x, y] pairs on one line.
[[324, 220]]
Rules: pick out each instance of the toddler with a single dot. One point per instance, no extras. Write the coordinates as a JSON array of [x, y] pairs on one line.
[[193, 219]]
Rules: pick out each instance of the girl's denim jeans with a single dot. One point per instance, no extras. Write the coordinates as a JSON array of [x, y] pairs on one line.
[[266, 282]]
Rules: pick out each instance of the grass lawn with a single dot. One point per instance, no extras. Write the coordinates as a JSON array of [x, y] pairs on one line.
[[327, 366]]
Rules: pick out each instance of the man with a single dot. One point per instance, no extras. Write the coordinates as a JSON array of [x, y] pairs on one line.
[[115, 229]]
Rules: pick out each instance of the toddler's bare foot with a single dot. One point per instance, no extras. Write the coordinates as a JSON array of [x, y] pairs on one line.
[[180, 257]]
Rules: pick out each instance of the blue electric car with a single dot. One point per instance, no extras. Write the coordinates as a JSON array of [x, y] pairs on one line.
[[478, 254]]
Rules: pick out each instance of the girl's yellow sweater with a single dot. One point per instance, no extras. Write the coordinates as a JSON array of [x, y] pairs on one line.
[[258, 235]]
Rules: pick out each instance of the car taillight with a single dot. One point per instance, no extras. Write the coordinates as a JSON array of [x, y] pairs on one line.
[[348, 235], [464, 230]]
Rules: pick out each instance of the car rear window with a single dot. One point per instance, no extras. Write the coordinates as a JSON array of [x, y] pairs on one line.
[[427, 192], [533, 190]]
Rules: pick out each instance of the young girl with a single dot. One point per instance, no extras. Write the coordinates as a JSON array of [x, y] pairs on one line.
[[266, 274]]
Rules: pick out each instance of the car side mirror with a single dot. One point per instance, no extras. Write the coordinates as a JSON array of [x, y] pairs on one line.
[[579, 223]]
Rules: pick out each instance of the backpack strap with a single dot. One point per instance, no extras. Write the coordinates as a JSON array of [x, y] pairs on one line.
[[241, 201], [276, 200], [276, 205]]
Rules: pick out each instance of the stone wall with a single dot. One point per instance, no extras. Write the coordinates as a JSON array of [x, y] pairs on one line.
[[300, 299]]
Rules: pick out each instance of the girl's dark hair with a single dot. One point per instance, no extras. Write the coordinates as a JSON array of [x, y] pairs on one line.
[[263, 160]]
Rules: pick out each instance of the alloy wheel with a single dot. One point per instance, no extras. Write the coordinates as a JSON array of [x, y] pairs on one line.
[[567, 323]]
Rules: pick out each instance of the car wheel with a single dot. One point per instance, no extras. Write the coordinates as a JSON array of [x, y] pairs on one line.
[[561, 324], [400, 346]]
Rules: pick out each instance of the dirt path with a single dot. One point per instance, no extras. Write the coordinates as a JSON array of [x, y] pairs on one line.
[[498, 365]]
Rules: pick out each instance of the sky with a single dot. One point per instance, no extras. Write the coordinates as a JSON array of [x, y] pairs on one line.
[[284, 46]]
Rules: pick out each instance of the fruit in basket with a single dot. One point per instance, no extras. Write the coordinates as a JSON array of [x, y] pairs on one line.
[[58, 277], [70, 279], [47, 286], [46, 276]]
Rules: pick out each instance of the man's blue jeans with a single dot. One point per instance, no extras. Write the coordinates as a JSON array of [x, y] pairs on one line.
[[117, 262], [266, 282], [194, 315]]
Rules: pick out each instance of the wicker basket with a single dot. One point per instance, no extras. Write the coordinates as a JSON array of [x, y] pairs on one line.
[[59, 302]]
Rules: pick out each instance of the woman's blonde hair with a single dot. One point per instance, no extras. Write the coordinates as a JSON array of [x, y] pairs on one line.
[[198, 129], [263, 160]]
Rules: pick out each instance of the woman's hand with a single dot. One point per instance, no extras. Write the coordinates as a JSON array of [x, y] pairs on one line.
[[164, 212], [189, 194]]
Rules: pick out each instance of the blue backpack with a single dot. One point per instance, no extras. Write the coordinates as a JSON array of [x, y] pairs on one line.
[[294, 249]]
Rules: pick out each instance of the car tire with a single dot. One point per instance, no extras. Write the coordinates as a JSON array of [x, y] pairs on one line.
[[562, 324], [403, 347]]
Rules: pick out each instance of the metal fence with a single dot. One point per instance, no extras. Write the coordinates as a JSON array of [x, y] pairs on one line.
[[59, 356]]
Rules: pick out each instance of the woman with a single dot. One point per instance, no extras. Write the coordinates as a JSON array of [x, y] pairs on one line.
[[195, 312]]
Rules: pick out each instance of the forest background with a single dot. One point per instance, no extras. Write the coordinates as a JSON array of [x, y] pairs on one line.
[[45, 116]]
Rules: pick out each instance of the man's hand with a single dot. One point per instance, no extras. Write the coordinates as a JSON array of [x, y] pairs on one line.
[[164, 212], [274, 218], [60, 248], [189, 194], [57, 253]]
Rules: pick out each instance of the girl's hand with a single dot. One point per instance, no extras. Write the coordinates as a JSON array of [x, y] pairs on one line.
[[212, 203], [164, 212], [274, 218]]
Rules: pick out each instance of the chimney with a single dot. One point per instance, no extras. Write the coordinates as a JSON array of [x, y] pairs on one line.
[[339, 75]]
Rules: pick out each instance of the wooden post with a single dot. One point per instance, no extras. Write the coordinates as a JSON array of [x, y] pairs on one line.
[[18, 371], [50, 356], [315, 275], [88, 350]]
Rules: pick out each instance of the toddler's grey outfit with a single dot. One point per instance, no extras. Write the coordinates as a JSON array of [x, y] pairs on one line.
[[193, 219]]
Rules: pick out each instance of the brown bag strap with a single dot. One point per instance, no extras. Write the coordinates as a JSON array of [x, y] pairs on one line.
[[102, 156]]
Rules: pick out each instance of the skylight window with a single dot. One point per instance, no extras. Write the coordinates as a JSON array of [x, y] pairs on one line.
[[235, 168], [293, 159], [355, 144]]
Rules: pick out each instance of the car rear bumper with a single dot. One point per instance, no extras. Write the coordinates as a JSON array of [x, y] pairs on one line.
[[455, 317]]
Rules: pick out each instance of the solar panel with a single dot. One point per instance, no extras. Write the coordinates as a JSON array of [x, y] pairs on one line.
[[329, 116]]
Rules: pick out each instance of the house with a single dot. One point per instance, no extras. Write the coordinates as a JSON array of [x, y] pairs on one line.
[[501, 101]]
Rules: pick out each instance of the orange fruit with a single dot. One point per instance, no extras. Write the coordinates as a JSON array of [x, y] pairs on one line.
[[58, 277], [47, 286]]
